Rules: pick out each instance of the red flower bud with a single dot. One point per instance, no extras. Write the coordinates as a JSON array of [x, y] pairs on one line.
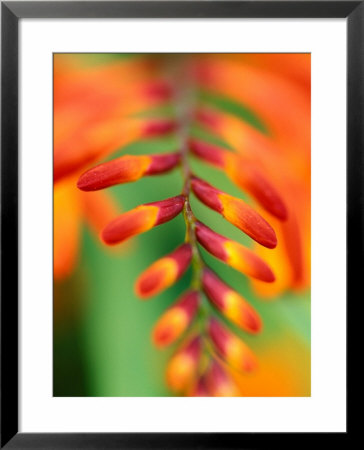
[[156, 90], [157, 127], [199, 389], [235, 211], [230, 303], [233, 254], [182, 367], [244, 174], [141, 219], [208, 152], [231, 348], [126, 169], [219, 383]]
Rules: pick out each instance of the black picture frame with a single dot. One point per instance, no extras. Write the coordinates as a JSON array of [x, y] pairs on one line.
[[11, 12]]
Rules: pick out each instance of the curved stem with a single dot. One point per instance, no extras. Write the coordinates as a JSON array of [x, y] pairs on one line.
[[185, 105]]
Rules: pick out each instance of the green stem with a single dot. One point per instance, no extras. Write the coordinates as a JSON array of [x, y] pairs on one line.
[[184, 104], [185, 100]]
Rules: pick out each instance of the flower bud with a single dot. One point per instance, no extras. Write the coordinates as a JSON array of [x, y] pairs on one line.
[[141, 219], [176, 319], [157, 127], [235, 211], [243, 173], [126, 169], [219, 383], [199, 389], [230, 303], [164, 272], [234, 254], [231, 348], [182, 367]]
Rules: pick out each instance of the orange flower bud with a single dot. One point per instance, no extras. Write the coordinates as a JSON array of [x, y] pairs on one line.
[[233, 254], [249, 178], [126, 169], [219, 383], [231, 348], [244, 174], [208, 152], [230, 303], [176, 320], [209, 118], [182, 367], [235, 211], [164, 272], [141, 219]]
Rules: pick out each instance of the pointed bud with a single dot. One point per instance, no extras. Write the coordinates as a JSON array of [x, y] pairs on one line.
[[98, 209], [230, 303], [126, 169], [176, 319], [249, 178], [182, 367], [244, 174], [234, 254], [162, 163], [207, 194], [209, 118], [164, 272], [199, 389], [157, 127], [219, 383], [141, 219], [208, 152], [156, 90], [235, 211], [231, 348]]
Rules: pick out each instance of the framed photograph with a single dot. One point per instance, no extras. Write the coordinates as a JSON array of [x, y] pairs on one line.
[[181, 194]]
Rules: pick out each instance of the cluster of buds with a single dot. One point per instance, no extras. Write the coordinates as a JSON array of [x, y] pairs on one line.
[[207, 352]]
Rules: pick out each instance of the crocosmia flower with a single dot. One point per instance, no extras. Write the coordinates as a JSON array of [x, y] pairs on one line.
[[210, 156]]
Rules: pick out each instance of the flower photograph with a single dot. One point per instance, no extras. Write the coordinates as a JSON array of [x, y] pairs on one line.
[[181, 225]]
